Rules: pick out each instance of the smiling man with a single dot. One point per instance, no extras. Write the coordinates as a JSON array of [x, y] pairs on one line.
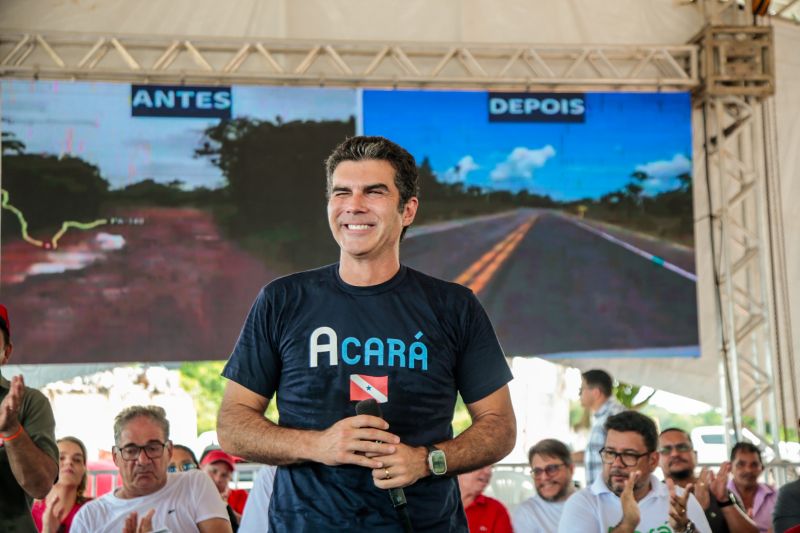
[[150, 499], [367, 327], [678, 461], [552, 470], [627, 497]]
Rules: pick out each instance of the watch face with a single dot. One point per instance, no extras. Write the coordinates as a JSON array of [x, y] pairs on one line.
[[438, 463]]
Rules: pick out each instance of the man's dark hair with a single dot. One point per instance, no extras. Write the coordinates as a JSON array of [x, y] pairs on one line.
[[363, 148], [679, 430], [551, 448], [637, 423], [746, 447], [599, 379], [189, 451]]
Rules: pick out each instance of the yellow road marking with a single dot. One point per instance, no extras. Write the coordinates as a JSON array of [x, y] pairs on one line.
[[481, 271]]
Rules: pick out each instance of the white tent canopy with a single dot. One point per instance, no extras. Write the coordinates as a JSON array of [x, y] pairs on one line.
[[621, 22]]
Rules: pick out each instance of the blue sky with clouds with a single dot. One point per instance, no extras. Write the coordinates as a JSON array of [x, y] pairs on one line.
[[622, 133], [93, 121]]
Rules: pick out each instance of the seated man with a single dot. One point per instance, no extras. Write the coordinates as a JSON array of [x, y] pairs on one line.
[[483, 513], [552, 471], [150, 499], [678, 461], [757, 499], [786, 516], [627, 497]]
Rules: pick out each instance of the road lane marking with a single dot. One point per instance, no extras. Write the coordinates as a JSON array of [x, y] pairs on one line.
[[660, 261], [478, 275]]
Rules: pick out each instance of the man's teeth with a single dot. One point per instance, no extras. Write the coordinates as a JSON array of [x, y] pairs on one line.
[[358, 226]]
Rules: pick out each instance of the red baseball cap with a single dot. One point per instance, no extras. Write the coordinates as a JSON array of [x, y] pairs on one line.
[[4, 323], [218, 456]]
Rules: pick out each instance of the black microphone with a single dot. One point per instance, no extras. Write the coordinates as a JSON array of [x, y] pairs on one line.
[[371, 407]]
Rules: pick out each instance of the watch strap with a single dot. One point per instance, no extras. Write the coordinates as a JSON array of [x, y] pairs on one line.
[[724, 503]]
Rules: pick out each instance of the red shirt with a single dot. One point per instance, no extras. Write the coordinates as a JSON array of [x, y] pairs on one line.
[[488, 514], [236, 499], [39, 507]]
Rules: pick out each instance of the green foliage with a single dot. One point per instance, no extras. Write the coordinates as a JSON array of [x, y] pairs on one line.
[[50, 190], [11, 145], [626, 392], [665, 215], [276, 181], [202, 380], [687, 422], [149, 192], [461, 418]]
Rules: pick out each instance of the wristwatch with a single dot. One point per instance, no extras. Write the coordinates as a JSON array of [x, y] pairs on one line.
[[730, 500], [437, 462], [690, 528]]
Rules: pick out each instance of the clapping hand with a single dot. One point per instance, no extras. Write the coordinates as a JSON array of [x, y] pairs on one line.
[[133, 525], [678, 519], [630, 508]]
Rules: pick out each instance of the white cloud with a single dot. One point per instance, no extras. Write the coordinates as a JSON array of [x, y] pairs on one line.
[[667, 168], [458, 173], [521, 162]]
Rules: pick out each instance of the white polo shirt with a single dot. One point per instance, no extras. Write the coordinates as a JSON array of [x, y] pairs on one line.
[[596, 509], [537, 515]]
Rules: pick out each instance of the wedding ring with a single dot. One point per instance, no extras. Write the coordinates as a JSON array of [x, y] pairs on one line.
[[387, 476]]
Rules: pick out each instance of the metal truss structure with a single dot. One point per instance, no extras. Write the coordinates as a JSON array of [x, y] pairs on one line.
[[729, 68], [158, 59], [737, 74]]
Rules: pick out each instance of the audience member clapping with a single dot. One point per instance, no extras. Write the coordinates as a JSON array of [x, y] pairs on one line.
[[678, 462], [758, 499], [627, 497], [56, 511], [150, 499]]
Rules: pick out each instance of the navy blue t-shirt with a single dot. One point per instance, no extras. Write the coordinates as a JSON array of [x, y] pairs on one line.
[[321, 345]]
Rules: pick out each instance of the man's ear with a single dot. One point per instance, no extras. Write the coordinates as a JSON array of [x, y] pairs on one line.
[[410, 210], [6, 354], [653, 459], [116, 456]]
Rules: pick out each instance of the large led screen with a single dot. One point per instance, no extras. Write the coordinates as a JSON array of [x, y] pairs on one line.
[[139, 222]]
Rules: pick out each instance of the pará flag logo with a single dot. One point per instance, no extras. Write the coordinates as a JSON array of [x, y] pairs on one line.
[[365, 387]]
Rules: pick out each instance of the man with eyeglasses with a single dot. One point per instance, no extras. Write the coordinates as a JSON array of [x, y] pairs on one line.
[[678, 461], [552, 470], [628, 498], [150, 499]]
